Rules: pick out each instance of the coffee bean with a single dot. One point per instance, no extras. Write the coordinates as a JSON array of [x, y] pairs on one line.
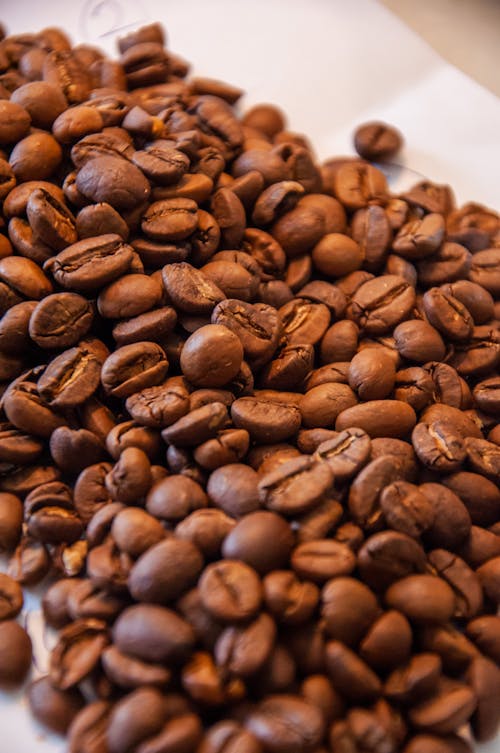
[[71, 378], [488, 575], [230, 590], [136, 717], [423, 598], [377, 141], [11, 519], [388, 418], [262, 540], [484, 632], [357, 184], [286, 724], [132, 368], [264, 420], [463, 580], [447, 314], [11, 597], [349, 674], [91, 263], [387, 642], [165, 571], [445, 711], [452, 522], [295, 486], [406, 509], [53, 708], [379, 304], [153, 633], [322, 559], [415, 680], [348, 609], [387, 556], [15, 654]]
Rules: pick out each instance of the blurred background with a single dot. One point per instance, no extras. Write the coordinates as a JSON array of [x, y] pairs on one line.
[[465, 32]]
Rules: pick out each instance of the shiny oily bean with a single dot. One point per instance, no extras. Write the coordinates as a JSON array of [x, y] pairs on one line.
[[379, 418], [348, 609], [60, 320], [265, 421], [322, 559], [132, 368], [438, 446], [296, 486], [230, 590], [422, 598], [463, 580], [406, 509], [447, 314], [346, 454]]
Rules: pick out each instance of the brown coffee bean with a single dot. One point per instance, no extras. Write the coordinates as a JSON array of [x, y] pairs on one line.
[[230, 590], [54, 708], [447, 314], [133, 367], [11, 597], [346, 454], [372, 374], [377, 141], [91, 263], [114, 181], [386, 556], [286, 724], [16, 121], [36, 157], [388, 641], [15, 654], [445, 711], [415, 680], [348, 609], [463, 580], [488, 575], [165, 571], [423, 598], [265, 421], [484, 632], [77, 652], [262, 540], [153, 633], [406, 509], [70, 378], [389, 418], [380, 304], [136, 717], [11, 519], [452, 521], [480, 496], [322, 559], [357, 184], [349, 674], [295, 486]]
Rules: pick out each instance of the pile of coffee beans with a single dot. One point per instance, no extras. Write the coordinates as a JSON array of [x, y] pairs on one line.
[[249, 427]]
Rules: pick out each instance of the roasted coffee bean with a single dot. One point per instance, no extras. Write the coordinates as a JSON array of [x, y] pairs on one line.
[[415, 680], [286, 723], [484, 632], [379, 304], [444, 711], [189, 289], [11, 519], [257, 326], [480, 496], [15, 654], [377, 141], [406, 509], [350, 675], [322, 559], [422, 598], [387, 556], [296, 486], [71, 378], [358, 184], [91, 263], [212, 356], [136, 717], [438, 445], [371, 229], [488, 575], [54, 708], [348, 609], [230, 590], [165, 571], [11, 597], [197, 426], [60, 320], [153, 633], [174, 497], [447, 314], [463, 580], [133, 367], [372, 374], [262, 540], [264, 420], [389, 418], [387, 642], [346, 454], [36, 157], [114, 181], [364, 495], [452, 522]]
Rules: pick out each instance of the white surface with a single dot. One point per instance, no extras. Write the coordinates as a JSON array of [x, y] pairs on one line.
[[330, 64]]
